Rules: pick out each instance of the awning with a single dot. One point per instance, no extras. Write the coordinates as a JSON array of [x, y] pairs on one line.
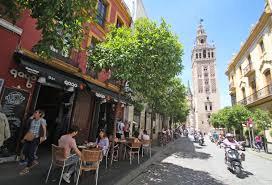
[[103, 92], [64, 78], [50, 74]]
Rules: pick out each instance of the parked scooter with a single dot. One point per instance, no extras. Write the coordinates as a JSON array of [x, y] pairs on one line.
[[234, 160]]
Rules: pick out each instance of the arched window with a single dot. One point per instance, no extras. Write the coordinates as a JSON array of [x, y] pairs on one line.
[[212, 54], [196, 55], [267, 76], [204, 53]]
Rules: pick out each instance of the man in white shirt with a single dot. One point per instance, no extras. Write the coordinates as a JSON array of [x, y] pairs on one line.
[[120, 129], [145, 137]]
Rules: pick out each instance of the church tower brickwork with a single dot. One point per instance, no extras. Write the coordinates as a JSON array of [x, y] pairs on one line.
[[205, 85]]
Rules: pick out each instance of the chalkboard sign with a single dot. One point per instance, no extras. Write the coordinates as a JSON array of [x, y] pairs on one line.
[[14, 102]]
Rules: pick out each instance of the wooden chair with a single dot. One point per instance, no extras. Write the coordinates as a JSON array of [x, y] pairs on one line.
[[90, 161], [134, 148], [146, 144], [58, 160]]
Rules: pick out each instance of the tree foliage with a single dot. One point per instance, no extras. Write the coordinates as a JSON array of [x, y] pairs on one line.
[[230, 117], [147, 56], [61, 22], [234, 117], [262, 119]]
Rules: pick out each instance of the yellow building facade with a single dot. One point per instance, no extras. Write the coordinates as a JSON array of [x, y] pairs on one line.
[[249, 71]]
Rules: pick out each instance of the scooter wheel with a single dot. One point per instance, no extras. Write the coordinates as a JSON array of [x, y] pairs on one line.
[[237, 170]]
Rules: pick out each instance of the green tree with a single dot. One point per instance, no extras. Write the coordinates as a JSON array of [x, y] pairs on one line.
[[262, 119], [231, 118], [61, 22], [147, 57]]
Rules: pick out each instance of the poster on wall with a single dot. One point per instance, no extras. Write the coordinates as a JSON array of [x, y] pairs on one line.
[[14, 102], [1, 84]]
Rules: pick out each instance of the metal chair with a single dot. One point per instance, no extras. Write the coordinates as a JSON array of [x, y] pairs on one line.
[[90, 161], [134, 148], [146, 144], [59, 160], [115, 152]]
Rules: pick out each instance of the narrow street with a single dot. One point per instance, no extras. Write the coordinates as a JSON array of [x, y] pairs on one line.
[[188, 163]]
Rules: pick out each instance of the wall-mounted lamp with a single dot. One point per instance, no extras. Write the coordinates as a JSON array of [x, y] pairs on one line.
[[42, 80]]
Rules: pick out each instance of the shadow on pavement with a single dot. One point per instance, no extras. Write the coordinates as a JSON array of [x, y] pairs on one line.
[[189, 151], [168, 173], [244, 174]]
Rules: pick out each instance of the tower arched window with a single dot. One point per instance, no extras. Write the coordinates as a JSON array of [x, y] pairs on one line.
[[204, 53], [202, 41], [209, 55], [212, 54], [196, 55], [199, 55]]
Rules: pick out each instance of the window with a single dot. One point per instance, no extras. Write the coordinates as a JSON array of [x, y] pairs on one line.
[[119, 23], [206, 82], [101, 12], [240, 69], [212, 54], [205, 68], [204, 53], [209, 116], [209, 54], [196, 55], [208, 98], [267, 76], [262, 46], [202, 41], [249, 59], [206, 74], [199, 55], [210, 107], [206, 107]]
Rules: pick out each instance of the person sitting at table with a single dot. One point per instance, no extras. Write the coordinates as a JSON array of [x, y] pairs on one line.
[[103, 141], [136, 139], [145, 137], [68, 142]]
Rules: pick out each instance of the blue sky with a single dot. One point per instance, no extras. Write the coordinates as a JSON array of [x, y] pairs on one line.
[[227, 23]]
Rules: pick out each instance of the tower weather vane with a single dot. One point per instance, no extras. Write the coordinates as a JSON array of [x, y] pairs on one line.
[[201, 21]]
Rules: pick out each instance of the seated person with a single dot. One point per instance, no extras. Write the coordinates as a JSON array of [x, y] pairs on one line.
[[136, 139], [68, 142], [103, 141], [145, 137]]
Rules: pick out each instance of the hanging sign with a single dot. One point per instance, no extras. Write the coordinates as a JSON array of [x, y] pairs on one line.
[[19, 74]]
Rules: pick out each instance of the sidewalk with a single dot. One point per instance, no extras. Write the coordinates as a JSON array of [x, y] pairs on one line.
[[261, 154], [119, 170]]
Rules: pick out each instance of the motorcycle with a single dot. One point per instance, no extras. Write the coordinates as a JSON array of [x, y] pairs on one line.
[[234, 160], [201, 141]]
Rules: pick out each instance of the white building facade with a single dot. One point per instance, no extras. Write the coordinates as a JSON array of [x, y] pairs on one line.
[[205, 85]]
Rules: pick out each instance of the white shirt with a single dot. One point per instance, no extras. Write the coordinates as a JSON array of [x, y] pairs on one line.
[[145, 137]]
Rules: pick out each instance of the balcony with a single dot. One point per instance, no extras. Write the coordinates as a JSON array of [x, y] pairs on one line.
[[231, 86], [248, 70], [261, 94]]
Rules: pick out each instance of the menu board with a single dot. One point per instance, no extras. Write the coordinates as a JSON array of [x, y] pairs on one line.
[[14, 102]]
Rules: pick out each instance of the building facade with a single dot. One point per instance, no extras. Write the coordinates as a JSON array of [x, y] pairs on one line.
[[205, 85], [249, 71], [190, 120], [68, 91]]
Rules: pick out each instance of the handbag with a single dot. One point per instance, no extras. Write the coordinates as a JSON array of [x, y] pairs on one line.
[[29, 136]]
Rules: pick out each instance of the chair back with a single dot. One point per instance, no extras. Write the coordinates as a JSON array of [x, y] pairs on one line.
[[58, 154], [91, 155], [136, 145], [146, 142]]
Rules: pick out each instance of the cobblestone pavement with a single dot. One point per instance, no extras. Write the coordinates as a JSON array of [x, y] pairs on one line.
[[188, 163]]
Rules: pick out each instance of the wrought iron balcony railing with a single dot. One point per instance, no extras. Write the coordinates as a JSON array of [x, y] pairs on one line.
[[260, 94]]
